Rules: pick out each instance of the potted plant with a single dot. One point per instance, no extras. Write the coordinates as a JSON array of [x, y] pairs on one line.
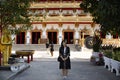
[[97, 56]]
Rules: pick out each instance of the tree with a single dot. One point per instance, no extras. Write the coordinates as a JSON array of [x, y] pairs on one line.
[[104, 12], [14, 18], [14, 15], [96, 43]]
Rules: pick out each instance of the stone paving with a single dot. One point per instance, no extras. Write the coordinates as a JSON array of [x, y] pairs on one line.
[[82, 69], [10, 75], [45, 67]]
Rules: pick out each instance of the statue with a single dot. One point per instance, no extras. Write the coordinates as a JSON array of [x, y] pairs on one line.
[[82, 40], [6, 45]]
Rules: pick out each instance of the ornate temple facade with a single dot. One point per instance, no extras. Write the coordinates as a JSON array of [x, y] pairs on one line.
[[57, 20]]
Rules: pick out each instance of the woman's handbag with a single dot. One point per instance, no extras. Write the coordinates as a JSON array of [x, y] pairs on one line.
[[59, 59]]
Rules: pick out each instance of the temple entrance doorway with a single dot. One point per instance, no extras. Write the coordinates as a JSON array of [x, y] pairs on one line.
[[52, 36], [35, 37], [20, 38], [68, 36]]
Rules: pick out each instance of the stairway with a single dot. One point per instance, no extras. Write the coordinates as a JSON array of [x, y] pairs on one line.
[[40, 50], [39, 47], [72, 47]]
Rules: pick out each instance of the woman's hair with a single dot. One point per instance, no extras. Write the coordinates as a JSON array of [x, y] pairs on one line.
[[64, 41]]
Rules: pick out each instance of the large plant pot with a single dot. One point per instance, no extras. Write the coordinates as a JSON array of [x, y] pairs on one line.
[[115, 66], [107, 63], [97, 58], [94, 57]]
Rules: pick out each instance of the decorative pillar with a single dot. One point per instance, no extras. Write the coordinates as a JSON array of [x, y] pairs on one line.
[[44, 36], [60, 33], [77, 35], [13, 38], [60, 36], [28, 36]]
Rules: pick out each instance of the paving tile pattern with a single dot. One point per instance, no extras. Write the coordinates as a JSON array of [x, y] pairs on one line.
[[47, 69]]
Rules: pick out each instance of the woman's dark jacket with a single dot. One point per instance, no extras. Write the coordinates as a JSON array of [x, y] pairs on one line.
[[67, 52]]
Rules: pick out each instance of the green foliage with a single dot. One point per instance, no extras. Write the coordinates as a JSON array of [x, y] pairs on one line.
[[108, 53], [107, 50], [104, 12], [96, 43], [13, 13], [116, 54], [111, 52]]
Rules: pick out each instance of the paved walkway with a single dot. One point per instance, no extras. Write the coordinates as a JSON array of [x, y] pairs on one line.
[[47, 69]]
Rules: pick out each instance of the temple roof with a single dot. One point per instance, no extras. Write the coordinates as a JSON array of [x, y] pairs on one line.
[[58, 11]]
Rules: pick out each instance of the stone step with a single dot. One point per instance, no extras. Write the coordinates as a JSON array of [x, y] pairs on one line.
[[38, 47]]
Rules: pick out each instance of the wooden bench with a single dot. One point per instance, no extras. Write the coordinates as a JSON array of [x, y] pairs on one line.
[[27, 53]]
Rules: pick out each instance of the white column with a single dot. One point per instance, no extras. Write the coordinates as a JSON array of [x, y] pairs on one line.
[[13, 38], [76, 35], [28, 36], [44, 36], [60, 36]]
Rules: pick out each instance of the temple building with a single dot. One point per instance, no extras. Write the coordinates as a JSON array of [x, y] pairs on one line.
[[57, 20]]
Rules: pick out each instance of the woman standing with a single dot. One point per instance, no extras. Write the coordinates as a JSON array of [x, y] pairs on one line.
[[47, 46], [65, 64], [51, 48]]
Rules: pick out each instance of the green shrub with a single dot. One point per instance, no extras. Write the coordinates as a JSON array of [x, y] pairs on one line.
[[107, 50], [108, 53], [116, 54], [96, 43]]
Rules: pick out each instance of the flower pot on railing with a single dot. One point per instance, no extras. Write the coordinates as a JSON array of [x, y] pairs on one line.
[[97, 58]]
